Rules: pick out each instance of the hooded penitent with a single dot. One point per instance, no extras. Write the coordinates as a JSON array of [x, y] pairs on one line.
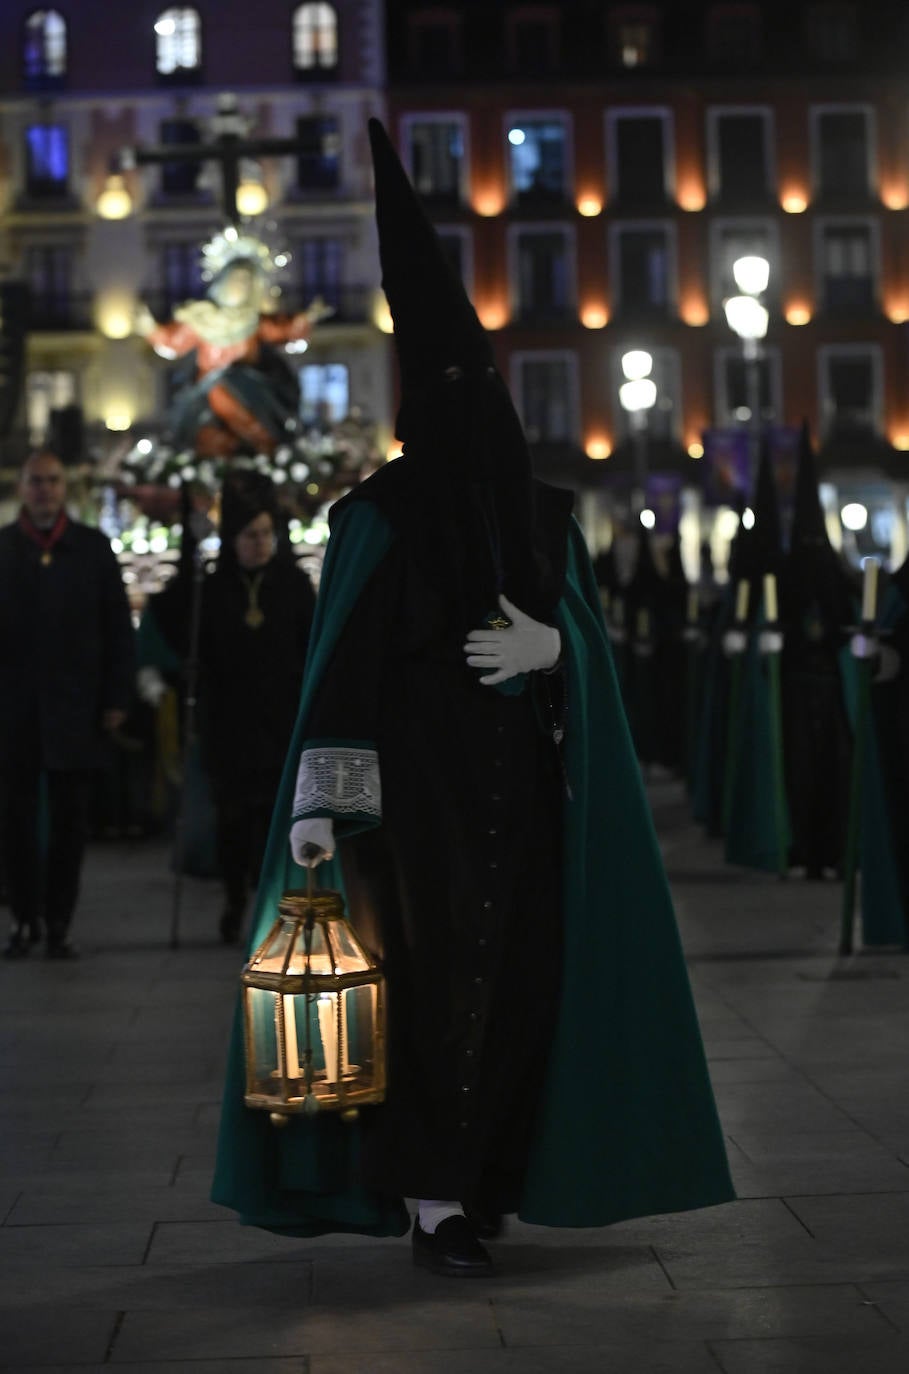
[[527, 938], [461, 435], [816, 607], [815, 579], [759, 550]]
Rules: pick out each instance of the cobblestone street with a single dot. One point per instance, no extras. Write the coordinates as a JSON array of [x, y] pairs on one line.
[[111, 1254]]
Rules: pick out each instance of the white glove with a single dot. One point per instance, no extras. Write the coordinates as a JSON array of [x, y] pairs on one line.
[[150, 685], [312, 840], [889, 665], [734, 642], [770, 642], [863, 646], [521, 648]]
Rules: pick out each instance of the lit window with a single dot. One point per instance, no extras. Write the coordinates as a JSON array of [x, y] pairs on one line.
[[315, 37], [178, 39], [635, 44], [324, 393], [537, 151], [46, 160], [634, 35], [44, 52]]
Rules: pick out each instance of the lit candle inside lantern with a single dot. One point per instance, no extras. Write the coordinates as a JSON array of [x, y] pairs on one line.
[[770, 607], [741, 602], [692, 606], [869, 589], [328, 1030], [291, 1052]]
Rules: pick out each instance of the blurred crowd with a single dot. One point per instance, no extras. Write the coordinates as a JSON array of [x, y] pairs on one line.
[[780, 695]]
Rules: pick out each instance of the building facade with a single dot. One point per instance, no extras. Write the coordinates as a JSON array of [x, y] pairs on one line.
[[597, 168], [81, 83]]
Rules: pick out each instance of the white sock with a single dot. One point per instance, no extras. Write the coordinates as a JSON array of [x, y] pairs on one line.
[[432, 1212]]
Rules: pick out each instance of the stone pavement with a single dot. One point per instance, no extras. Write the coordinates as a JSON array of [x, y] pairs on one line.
[[112, 1255]]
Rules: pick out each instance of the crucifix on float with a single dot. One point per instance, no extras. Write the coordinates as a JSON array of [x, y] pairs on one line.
[[229, 147]]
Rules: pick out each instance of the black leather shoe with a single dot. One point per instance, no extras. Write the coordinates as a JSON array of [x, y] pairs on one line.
[[60, 949], [485, 1224], [452, 1249]]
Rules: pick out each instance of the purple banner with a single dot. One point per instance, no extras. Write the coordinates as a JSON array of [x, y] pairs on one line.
[[783, 443], [663, 495], [726, 463]]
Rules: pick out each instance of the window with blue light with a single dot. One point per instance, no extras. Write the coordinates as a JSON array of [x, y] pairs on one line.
[[537, 150], [46, 160], [324, 393], [178, 41], [44, 48]]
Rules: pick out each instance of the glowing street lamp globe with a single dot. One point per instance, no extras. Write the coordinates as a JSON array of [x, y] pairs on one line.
[[636, 364], [751, 273], [638, 395], [746, 317]]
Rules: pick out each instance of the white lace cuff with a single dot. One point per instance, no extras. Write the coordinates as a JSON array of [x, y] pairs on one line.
[[336, 781]]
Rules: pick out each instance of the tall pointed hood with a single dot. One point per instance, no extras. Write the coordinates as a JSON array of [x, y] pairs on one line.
[[466, 465], [759, 550], [814, 573], [452, 397], [809, 529]]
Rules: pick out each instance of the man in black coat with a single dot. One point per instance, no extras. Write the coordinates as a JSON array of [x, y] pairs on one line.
[[66, 665]]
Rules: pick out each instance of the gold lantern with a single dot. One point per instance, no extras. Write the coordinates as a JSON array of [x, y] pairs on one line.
[[313, 1014]]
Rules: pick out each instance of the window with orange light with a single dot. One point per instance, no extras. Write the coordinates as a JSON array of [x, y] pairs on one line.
[[634, 35]]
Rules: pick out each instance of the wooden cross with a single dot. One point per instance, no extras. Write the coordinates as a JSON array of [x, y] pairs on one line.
[[228, 148]]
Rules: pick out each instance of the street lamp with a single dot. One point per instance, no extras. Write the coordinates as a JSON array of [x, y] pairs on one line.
[[637, 395], [748, 318]]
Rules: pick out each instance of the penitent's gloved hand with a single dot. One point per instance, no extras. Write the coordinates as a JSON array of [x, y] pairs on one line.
[[526, 645], [311, 841], [150, 685]]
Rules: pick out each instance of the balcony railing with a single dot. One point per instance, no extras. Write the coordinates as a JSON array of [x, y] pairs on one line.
[[60, 312]]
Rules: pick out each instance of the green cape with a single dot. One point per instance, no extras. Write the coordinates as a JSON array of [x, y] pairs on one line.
[[627, 1124]]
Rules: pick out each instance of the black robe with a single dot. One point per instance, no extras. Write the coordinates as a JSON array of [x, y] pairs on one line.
[[459, 888], [250, 676]]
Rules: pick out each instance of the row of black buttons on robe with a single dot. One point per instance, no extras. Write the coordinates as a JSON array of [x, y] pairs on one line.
[[496, 797]]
